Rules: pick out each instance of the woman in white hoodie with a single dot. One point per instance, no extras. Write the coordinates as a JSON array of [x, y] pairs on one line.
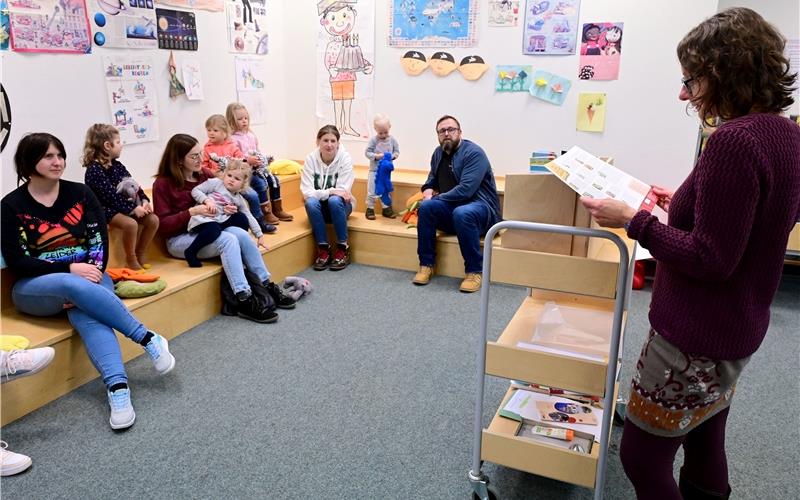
[[326, 182]]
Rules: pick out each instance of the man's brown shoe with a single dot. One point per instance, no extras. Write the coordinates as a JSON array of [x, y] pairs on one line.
[[423, 276], [471, 283]]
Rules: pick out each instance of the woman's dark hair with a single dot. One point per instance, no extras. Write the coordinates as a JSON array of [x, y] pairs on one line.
[[328, 129], [740, 58], [32, 148], [171, 165], [446, 117]]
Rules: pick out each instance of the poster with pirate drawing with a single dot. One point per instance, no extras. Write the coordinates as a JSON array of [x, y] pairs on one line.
[[345, 55]]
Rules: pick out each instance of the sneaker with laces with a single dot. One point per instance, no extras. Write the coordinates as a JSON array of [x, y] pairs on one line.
[[22, 363], [471, 283], [388, 213], [282, 300], [341, 258], [323, 259], [122, 414], [253, 308], [12, 463], [158, 349], [370, 214], [423, 276]]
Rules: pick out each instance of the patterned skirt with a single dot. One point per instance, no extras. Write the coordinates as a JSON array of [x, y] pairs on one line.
[[673, 392]]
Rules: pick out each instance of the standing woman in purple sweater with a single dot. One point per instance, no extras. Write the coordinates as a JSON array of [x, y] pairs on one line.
[[720, 257]]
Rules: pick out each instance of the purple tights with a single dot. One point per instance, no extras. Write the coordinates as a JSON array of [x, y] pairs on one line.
[[648, 459]]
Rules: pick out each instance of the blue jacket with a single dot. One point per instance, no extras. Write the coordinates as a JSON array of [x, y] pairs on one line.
[[473, 174]]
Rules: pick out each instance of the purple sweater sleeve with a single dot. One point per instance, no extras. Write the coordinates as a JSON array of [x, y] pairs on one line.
[[725, 187]]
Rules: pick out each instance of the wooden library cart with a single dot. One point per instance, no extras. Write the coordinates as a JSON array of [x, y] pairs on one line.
[[583, 282]]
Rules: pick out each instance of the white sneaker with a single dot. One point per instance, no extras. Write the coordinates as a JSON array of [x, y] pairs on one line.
[[12, 463], [122, 414], [17, 364], [158, 349]]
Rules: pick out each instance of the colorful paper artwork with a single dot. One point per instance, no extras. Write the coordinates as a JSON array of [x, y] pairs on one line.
[[5, 25], [431, 23], [551, 27], [176, 30], [345, 65], [513, 78], [212, 5], [132, 98], [125, 24], [250, 87], [192, 79], [49, 26], [414, 63], [247, 26], [591, 112], [503, 13], [472, 67], [601, 50], [549, 87]]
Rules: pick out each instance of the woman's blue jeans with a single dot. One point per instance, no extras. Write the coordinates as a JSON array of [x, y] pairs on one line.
[[333, 210], [234, 247], [97, 313]]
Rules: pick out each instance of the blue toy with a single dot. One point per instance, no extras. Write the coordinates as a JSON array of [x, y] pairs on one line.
[[383, 179]]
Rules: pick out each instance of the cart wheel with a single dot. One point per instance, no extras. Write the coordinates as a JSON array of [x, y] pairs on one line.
[[492, 495]]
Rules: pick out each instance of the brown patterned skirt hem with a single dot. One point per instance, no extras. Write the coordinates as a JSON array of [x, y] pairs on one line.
[[673, 392]]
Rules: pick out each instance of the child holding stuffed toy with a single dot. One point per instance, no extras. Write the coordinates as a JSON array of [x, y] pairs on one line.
[[218, 151], [378, 145], [127, 208], [263, 181]]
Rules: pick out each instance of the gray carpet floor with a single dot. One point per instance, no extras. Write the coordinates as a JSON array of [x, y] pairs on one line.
[[366, 390]]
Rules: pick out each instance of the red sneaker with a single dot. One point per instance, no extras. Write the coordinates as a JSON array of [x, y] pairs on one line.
[[341, 258], [323, 259]]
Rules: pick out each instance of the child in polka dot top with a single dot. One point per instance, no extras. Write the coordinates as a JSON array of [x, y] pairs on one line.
[[127, 208]]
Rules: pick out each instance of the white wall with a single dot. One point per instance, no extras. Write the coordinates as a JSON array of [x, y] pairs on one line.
[[647, 129], [65, 94]]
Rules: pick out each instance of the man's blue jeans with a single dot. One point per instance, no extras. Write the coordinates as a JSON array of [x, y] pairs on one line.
[[467, 221], [97, 313], [333, 210]]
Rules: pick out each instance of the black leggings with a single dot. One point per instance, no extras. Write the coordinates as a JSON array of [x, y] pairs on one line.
[[208, 232], [648, 459]]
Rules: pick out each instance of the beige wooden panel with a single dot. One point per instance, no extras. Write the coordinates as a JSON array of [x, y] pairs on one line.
[[794, 238]]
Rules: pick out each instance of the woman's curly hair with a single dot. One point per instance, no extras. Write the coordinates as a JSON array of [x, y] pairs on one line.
[[740, 56]]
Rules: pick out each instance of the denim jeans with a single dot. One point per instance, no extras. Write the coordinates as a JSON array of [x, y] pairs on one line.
[[333, 210], [234, 247], [251, 197], [97, 313], [259, 185], [467, 221]]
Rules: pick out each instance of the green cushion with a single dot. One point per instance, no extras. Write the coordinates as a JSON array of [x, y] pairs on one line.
[[128, 289]]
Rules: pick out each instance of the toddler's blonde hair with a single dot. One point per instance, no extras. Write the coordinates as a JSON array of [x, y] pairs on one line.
[[94, 146], [381, 119], [230, 114], [237, 165], [218, 121]]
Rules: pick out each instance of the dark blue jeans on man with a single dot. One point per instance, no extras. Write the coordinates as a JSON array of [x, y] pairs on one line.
[[468, 221]]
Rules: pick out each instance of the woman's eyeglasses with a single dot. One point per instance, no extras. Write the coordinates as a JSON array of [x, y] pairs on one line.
[[193, 156], [686, 82]]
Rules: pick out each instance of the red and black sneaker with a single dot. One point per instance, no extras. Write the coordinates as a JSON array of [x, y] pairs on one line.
[[323, 259], [341, 258]]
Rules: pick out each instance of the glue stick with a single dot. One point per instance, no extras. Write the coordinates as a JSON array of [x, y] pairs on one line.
[[565, 434]]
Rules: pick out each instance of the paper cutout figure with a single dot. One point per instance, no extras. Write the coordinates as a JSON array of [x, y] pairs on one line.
[[414, 63], [549, 87], [176, 88], [513, 78], [442, 63], [591, 112], [472, 67]]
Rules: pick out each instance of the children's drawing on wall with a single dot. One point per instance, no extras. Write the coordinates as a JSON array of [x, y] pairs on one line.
[[125, 24], [176, 87], [192, 79], [251, 87], [549, 87], [345, 47], [591, 112], [247, 26], [503, 13], [601, 50], [49, 26], [212, 5], [513, 78], [551, 27], [5, 25], [432, 23], [132, 97]]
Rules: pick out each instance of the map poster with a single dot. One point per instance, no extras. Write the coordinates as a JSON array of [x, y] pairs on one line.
[[132, 97], [432, 23]]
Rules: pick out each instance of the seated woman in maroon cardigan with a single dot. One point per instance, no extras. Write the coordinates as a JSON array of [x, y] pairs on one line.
[[179, 172], [719, 259]]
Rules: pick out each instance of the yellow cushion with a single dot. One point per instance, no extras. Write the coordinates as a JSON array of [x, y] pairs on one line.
[[13, 342], [285, 167]]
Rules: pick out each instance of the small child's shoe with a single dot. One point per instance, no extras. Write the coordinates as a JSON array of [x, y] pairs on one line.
[[158, 349], [389, 213], [122, 414], [12, 463], [370, 214]]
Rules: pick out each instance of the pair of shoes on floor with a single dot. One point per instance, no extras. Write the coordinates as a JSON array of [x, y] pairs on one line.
[[336, 261], [12, 463], [21, 363], [251, 306], [423, 276], [282, 300], [470, 284]]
